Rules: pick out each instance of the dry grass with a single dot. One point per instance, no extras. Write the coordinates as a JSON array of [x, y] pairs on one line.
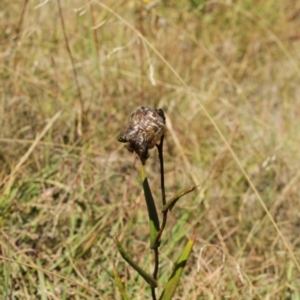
[[64, 196]]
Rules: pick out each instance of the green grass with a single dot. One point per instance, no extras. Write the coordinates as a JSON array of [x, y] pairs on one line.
[[65, 196]]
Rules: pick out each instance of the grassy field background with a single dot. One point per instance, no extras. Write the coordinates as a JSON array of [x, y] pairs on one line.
[[67, 186]]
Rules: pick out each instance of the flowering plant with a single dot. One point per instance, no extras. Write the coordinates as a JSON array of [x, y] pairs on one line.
[[144, 131]]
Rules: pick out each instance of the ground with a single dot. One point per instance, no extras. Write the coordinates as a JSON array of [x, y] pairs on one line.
[[226, 74]]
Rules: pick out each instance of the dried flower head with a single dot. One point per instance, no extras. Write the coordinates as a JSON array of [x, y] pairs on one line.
[[145, 128]]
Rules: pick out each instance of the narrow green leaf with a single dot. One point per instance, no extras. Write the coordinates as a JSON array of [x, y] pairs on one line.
[[149, 279], [152, 212], [42, 283], [120, 285], [176, 274], [169, 205]]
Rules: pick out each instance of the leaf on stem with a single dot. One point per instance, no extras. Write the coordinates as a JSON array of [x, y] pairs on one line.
[[174, 278], [170, 204], [152, 212], [149, 279]]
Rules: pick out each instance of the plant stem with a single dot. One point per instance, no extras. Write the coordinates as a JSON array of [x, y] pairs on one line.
[[155, 271], [153, 293], [156, 262], [162, 172], [163, 198], [163, 192]]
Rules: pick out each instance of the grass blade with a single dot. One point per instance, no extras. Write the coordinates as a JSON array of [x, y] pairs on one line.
[[120, 285], [149, 279], [42, 283], [152, 212], [176, 274]]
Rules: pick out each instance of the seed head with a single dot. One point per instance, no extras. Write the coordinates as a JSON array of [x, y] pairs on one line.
[[144, 130]]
